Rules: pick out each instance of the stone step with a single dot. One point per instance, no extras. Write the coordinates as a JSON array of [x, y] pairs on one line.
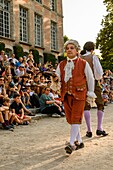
[[39, 116], [34, 110]]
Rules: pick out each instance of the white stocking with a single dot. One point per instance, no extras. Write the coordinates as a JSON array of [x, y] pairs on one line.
[[75, 128]]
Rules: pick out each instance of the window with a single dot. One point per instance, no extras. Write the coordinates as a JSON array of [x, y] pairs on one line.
[[40, 1], [38, 30], [5, 18], [53, 36], [23, 25], [53, 5]]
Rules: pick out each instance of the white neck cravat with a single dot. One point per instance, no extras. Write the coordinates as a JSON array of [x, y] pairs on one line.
[[68, 69]]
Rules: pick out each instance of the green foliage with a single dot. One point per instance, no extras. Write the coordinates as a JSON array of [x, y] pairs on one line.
[[18, 51], [2, 46], [49, 57], [35, 55], [8, 51], [104, 39], [60, 58], [65, 38]]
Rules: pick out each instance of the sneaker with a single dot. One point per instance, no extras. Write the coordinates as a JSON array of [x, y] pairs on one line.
[[62, 114], [8, 128], [11, 125], [25, 123], [69, 149], [55, 115]]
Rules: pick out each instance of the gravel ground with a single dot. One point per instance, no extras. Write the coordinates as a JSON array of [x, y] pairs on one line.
[[40, 146]]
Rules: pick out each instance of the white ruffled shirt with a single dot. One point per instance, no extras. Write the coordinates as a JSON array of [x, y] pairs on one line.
[[89, 76], [98, 71]]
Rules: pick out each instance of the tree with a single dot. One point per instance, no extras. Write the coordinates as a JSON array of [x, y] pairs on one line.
[[104, 39], [65, 38]]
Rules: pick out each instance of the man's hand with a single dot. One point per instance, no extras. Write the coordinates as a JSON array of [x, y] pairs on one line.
[[91, 101]]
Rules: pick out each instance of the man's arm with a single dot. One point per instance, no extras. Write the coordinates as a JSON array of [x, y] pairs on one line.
[[90, 81]]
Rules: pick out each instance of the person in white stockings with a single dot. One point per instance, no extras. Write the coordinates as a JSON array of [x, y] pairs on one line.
[[74, 73]]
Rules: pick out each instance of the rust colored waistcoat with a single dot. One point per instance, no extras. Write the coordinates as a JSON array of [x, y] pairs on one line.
[[76, 85]]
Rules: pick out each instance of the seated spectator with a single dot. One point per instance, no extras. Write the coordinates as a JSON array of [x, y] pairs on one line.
[[111, 84], [49, 106], [7, 71], [13, 72], [34, 98], [5, 61], [17, 108], [23, 89], [25, 61], [105, 98], [42, 80], [36, 80], [13, 59], [111, 96], [42, 85], [10, 86], [55, 84], [10, 118], [30, 56], [43, 67], [30, 68], [2, 89], [27, 95], [21, 70], [36, 71], [57, 98], [19, 62], [2, 54], [2, 121], [49, 83]]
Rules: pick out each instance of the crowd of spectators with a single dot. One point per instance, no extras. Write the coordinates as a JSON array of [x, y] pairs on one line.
[[22, 83], [107, 87]]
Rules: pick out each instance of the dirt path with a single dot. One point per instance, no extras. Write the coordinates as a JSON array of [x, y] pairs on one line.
[[40, 146]]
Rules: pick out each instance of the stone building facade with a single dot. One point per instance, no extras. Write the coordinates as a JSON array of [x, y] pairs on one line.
[[32, 24]]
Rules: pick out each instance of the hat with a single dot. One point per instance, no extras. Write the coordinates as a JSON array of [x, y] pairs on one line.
[[28, 84], [24, 56], [74, 42], [22, 65], [6, 56]]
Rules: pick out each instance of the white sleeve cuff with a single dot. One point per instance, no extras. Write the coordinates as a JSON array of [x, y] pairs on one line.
[[91, 94]]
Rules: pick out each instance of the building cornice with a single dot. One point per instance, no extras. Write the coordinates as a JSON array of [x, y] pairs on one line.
[[5, 38]]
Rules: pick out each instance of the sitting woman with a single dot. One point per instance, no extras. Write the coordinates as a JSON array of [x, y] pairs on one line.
[[22, 88], [49, 106], [55, 96]]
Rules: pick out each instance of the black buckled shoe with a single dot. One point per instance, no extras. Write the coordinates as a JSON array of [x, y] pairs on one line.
[[80, 146], [89, 134], [101, 132], [69, 149]]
